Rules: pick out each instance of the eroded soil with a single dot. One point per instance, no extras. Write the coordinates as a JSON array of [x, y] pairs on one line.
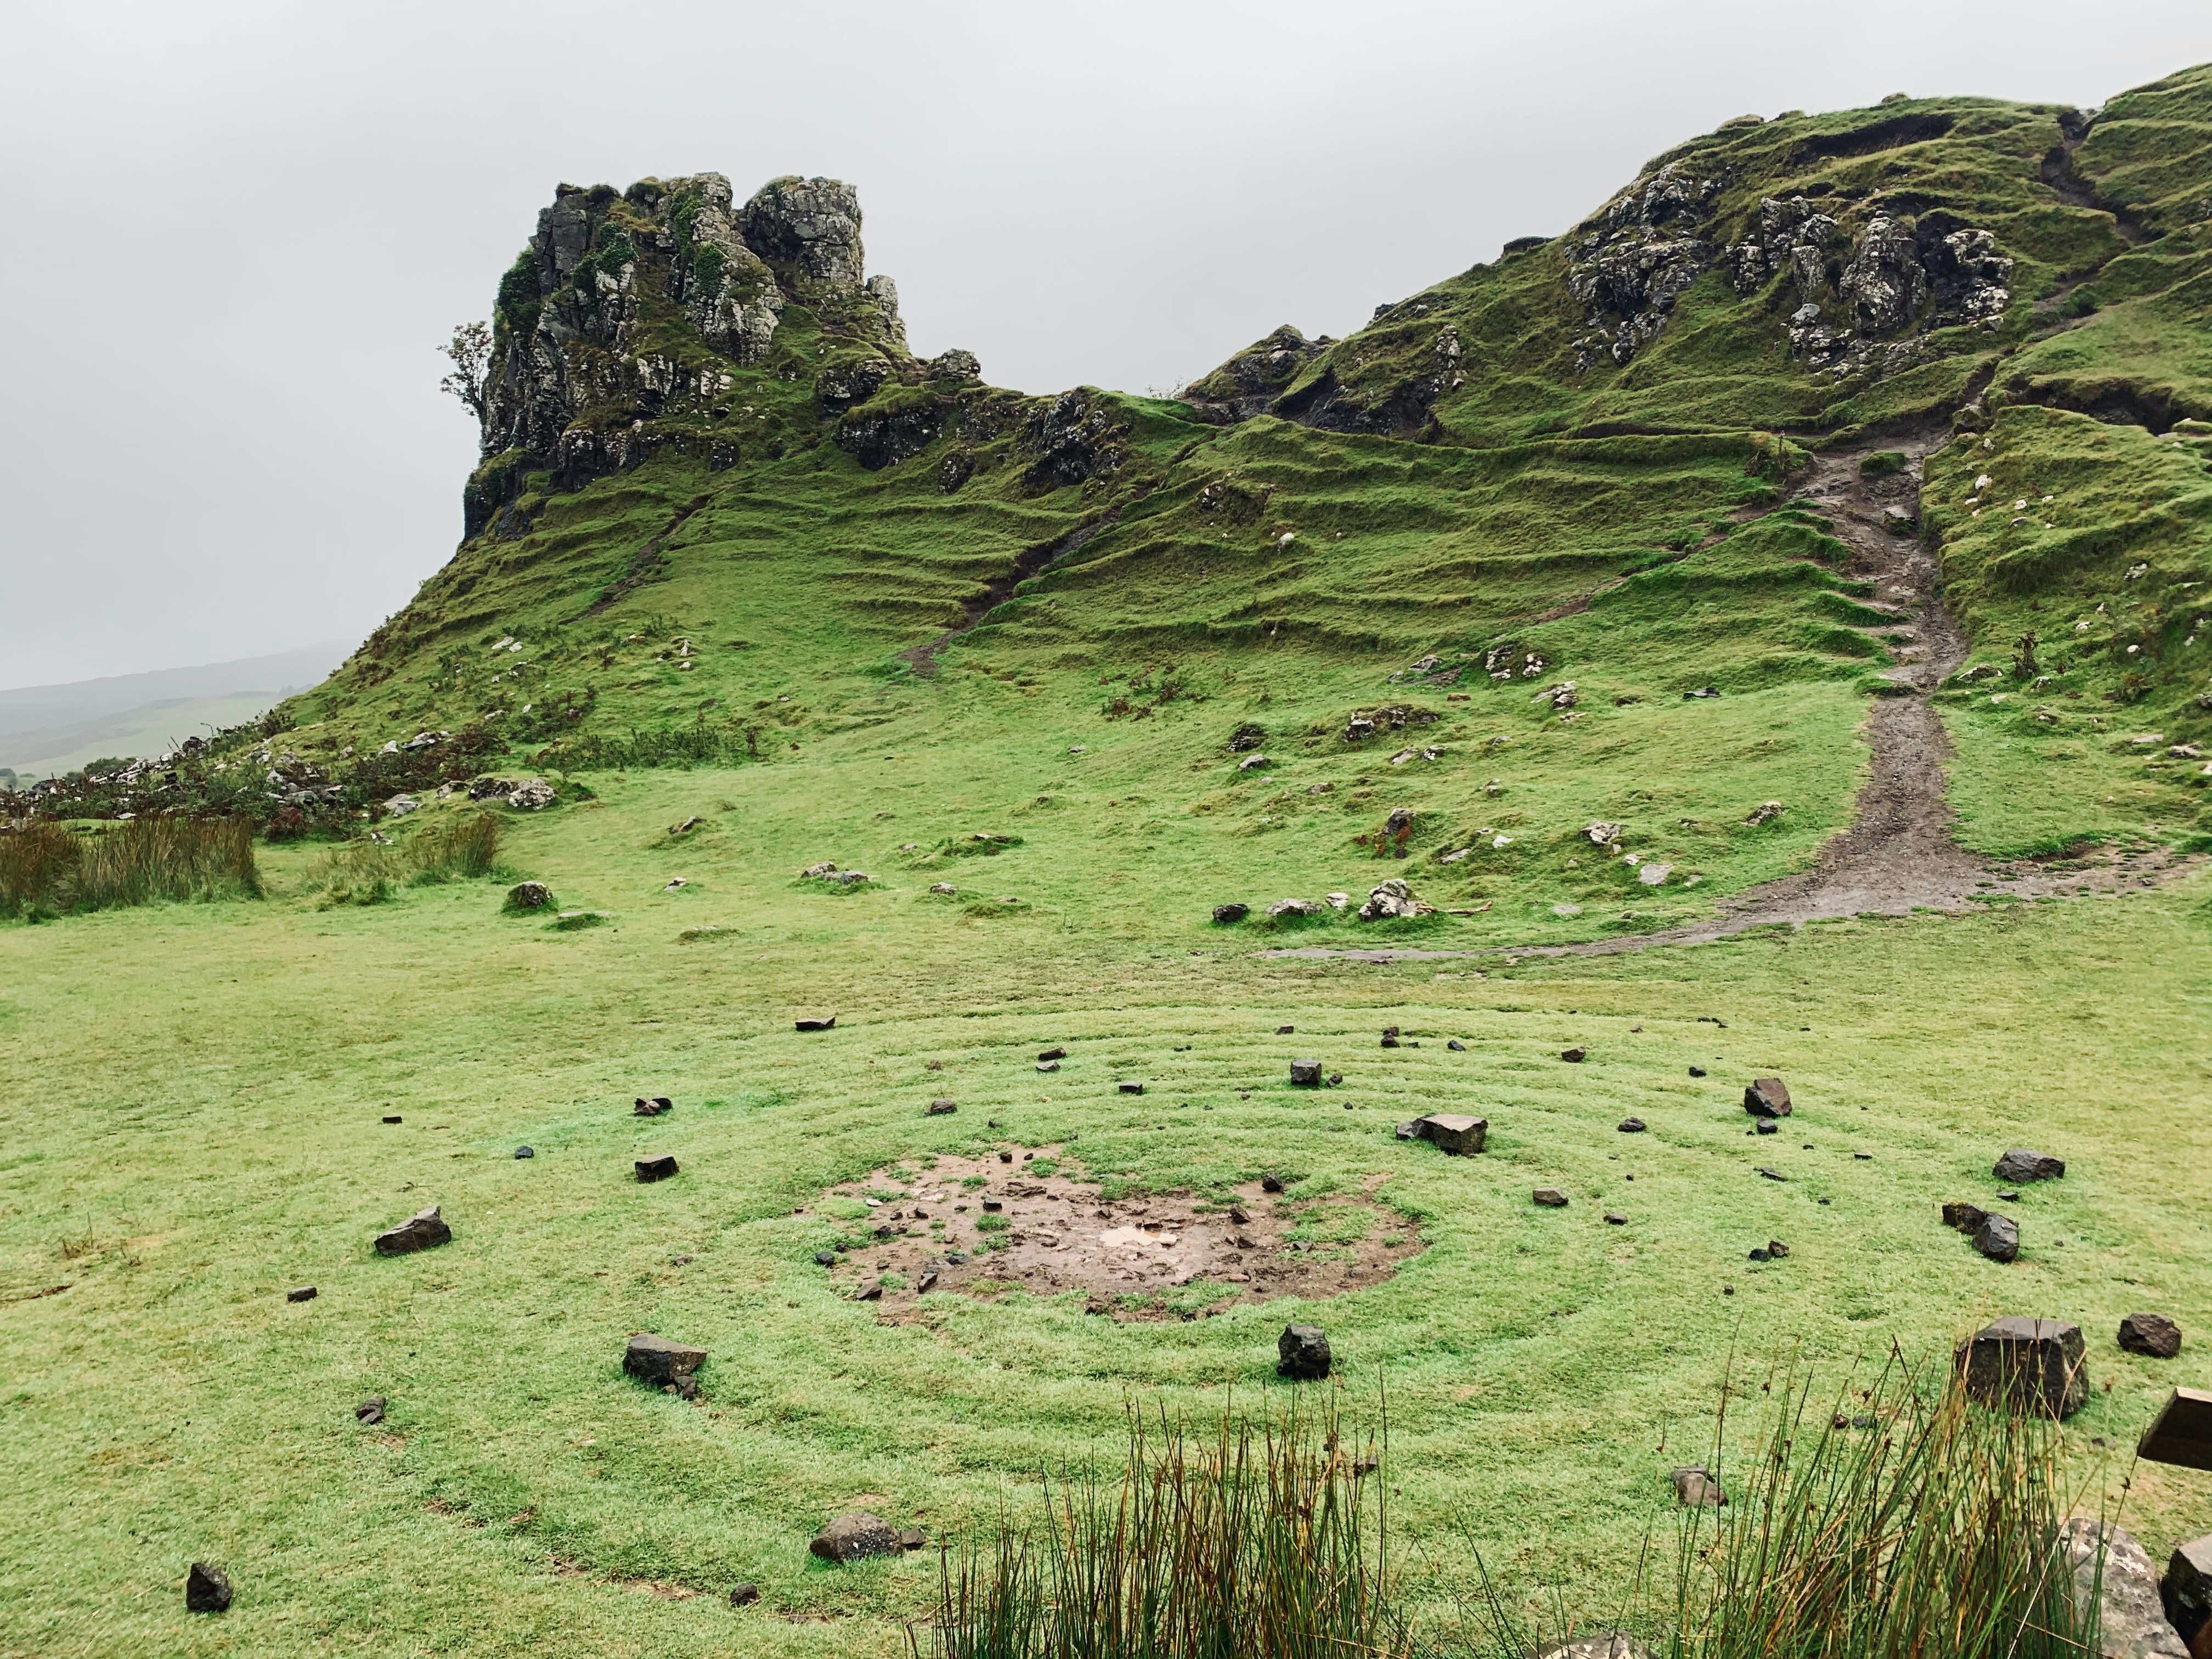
[[989, 1226]]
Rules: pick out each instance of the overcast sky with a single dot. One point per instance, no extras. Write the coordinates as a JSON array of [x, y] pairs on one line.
[[241, 231]]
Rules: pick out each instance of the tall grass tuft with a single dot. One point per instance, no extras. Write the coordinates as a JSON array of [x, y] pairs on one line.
[[49, 869], [1258, 1543], [463, 846]]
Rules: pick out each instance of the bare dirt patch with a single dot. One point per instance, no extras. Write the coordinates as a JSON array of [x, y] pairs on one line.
[[990, 1226]]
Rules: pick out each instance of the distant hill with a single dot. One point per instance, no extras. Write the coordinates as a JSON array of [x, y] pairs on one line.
[[45, 729]]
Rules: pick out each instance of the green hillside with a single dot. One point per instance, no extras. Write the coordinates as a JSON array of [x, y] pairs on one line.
[[1763, 627]]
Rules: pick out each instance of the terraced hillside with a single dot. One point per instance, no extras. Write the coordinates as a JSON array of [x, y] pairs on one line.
[[1760, 627]]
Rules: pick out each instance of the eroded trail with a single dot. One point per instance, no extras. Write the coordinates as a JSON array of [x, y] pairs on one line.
[[1899, 854]]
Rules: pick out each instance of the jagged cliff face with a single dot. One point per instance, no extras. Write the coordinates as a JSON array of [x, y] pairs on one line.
[[631, 309]]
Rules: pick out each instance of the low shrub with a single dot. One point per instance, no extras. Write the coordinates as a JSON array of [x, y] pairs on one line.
[[47, 869]]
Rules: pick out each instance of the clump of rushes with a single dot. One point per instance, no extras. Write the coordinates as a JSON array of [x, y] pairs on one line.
[[463, 847], [1257, 1543], [47, 869]]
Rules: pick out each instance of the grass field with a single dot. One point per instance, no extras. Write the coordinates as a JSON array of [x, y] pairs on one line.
[[187, 1144]]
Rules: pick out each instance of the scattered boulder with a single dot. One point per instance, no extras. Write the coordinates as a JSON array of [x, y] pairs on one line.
[[530, 795], [1456, 1046], [419, 1232], [1294, 908], [1048, 1065], [1694, 1488], [944, 890], [2020, 1165], [527, 897], [912, 1539], [1271, 1182], [2181, 1433], [1606, 1645], [651, 1108], [2110, 1569], [1776, 1249], [490, 788], [820, 1023], [1767, 1097], [658, 1167], [526, 1151], [855, 1537], [2026, 1364], [207, 1588], [942, 1108], [1615, 1218], [1602, 833], [1390, 1036], [1225, 915], [1306, 1073], [1966, 1217], [1765, 812], [1574, 1056], [1451, 1133], [2186, 1590], [1631, 1126], [1998, 1237], [1053, 1053], [657, 1360], [1131, 1088], [306, 1293], [371, 1411], [1551, 1198], [1697, 1071], [2150, 1333], [745, 1595], [1302, 1353], [400, 806], [1767, 1126], [1390, 898]]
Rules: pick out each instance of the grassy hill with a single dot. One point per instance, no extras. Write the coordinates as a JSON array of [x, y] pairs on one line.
[[756, 590]]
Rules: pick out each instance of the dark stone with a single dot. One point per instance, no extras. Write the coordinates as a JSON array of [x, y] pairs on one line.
[[1551, 1198], [1053, 1053], [911, 1538], [1271, 1182], [1130, 1088], [418, 1233], [2150, 1333], [1335, 1077], [658, 1167], [1966, 1217], [526, 1151], [1694, 1488], [207, 1588], [392, 1120], [1697, 1071], [1773, 1174], [1574, 1056], [371, 1410], [1997, 1237], [1631, 1126], [304, 1293], [1776, 1249], [657, 1360], [1237, 1215], [1409, 1130], [825, 1258], [1456, 1046], [942, 1108], [826, 1023], [1302, 1353], [2181, 1433], [527, 896], [2026, 1364], [1767, 1127], [745, 1595], [1615, 1218], [1306, 1073], [994, 1205], [927, 1281], [653, 1107], [2020, 1165], [1767, 1097], [1226, 914], [1757, 1253], [957, 1258], [2186, 1591], [1285, 1031], [1003, 1158], [1451, 1133], [855, 1537]]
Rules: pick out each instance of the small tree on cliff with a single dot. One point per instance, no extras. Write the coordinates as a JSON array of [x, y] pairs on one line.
[[471, 351]]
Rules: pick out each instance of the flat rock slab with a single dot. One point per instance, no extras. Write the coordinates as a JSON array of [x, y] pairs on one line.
[[207, 1588], [1302, 1353], [656, 1359], [419, 1231], [2032, 1366], [1551, 1198], [1126, 1254], [2151, 1334], [2020, 1165], [855, 1537], [300, 1293], [1766, 1096], [658, 1167]]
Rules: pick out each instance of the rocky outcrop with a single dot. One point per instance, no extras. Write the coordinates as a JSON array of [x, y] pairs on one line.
[[1077, 437], [1253, 379], [1627, 266]]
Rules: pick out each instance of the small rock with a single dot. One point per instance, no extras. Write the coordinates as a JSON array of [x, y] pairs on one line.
[[927, 1282], [1551, 1198], [911, 1538], [1697, 1071], [419, 1232], [1390, 1036], [1390, 898], [1606, 1645], [528, 896], [1225, 915], [1306, 1073], [530, 795], [1048, 1065], [1997, 1237], [745, 1595], [2020, 1165], [1285, 1031], [207, 1588], [2187, 1592], [651, 1108], [1130, 1088], [303, 1293], [1335, 1077], [1453, 1133], [394, 1118], [658, 1167], [825, 1258], [1758, 1254], [526, 1151], [1767, 1097], [1271, 1182], [657, 1360], [1456, 1046], [1302, 1353], [1773, 1174], [1615, 1218], [1765, 1127], [1574, 1056], [1053, 1053], [2109, 1567], [1966, 1217], [1694, 1488], [371, 1410], [2028, 1364], [855, 1536], [822, 1023], [1409, 1130], [942, 1108], [1631, 1126], [2150, 1333], [1776, 1249]]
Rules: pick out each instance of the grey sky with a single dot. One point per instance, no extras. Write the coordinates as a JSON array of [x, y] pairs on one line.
[[240, 231]]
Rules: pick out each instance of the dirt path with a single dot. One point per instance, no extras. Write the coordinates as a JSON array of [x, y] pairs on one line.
[[1898, 854], [999, 590]]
